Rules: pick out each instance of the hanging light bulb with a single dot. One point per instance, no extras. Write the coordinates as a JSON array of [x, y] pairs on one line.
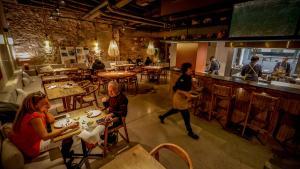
[[113, 49], [150, 50], [96, 48]]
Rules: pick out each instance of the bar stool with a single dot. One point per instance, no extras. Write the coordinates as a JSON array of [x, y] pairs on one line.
[[262, 114], [221, 99]]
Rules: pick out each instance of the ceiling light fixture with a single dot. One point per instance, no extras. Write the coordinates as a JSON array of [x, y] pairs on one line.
[[113, 49], [150, 50]]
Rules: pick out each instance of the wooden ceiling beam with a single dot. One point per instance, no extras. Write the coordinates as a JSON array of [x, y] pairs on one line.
[[95, 12]]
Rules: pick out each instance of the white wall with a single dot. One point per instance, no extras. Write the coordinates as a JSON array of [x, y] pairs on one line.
[[223, 55]]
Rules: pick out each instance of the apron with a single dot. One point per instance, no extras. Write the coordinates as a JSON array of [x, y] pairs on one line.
[[180, 101]]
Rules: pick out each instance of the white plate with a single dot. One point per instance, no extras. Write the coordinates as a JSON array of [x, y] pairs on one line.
[[93, 113], [52, 86], [63, 122]]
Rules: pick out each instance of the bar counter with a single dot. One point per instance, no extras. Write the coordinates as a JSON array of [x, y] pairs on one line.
[[288, 95]]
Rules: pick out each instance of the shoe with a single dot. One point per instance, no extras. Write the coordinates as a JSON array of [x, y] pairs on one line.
[[161, 119], [193, 135]]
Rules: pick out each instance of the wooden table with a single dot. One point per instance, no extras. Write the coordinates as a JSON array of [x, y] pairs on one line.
[[115, 75], [80, 113], [54, 78], [56, 70], [153, 68], [64, 93], [135, 158], [125, 66], [153, 72]]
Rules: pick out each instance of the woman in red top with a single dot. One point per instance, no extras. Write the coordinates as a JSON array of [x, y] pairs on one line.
[[29, 130]]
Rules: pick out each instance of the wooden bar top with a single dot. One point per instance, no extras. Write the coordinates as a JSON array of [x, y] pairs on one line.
[[274, 85]]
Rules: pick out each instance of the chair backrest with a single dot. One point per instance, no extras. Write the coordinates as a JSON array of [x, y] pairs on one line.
[[174, 148], [84, 83], [263, 110], [91, 89], [222, 90]]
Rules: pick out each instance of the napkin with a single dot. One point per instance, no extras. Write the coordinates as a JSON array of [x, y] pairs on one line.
[[52, 86], [92, 137]]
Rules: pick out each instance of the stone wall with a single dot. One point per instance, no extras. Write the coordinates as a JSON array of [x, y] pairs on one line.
[[29, 25]]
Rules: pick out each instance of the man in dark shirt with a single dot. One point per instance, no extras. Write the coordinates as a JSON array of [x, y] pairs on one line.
[[214, 66], [252, 70], [148, 61], [181, 98], [97, 65], [283, 67]]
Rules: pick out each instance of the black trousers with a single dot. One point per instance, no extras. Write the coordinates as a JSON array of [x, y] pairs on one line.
[[185, 115]]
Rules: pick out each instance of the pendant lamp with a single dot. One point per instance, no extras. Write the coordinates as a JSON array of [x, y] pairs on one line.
[[150, 50]]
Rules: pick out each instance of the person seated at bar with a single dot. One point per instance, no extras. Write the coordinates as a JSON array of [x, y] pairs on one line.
[[214, 66], [283, 67], [148, 61], [31, 129], [97, 65], [252, 70], [116, 104], [181, 97]]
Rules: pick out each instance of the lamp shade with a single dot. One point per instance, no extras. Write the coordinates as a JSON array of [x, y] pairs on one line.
[[113, 49], [150, 49]]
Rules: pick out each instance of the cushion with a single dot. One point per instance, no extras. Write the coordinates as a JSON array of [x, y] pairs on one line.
[[11, 156], [26, 81], [27, 76], [8, 112], [21, 96], [46, 68]]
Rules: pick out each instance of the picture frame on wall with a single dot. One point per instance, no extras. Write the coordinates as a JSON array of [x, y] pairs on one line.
[[71, 51], [79, 51], [68, 55]]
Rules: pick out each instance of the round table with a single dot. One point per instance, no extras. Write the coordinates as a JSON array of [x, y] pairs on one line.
[[115, 75]]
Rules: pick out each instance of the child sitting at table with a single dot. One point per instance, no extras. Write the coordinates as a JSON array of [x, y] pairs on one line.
[[30, 127]]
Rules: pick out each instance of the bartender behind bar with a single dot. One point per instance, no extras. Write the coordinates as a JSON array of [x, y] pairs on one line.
[[282, 68]]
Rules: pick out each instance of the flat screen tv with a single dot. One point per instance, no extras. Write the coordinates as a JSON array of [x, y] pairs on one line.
[[265, 18]]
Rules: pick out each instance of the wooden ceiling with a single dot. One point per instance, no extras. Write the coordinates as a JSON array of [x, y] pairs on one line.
[[151, 15]]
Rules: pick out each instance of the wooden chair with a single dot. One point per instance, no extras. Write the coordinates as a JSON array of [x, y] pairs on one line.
[[221, 99], [164, 74], [105, 146], [132, 82], [144, 73], [174, 148], [262, 115], [88, 97], [84, 83]]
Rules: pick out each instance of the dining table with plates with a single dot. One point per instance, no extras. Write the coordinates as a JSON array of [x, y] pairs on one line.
[[88, 119], [63, 90]]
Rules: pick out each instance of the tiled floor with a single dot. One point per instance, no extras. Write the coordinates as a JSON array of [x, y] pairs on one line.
[[216, 148]]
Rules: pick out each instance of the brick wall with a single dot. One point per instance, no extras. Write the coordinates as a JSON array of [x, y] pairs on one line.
[[27, 27]]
